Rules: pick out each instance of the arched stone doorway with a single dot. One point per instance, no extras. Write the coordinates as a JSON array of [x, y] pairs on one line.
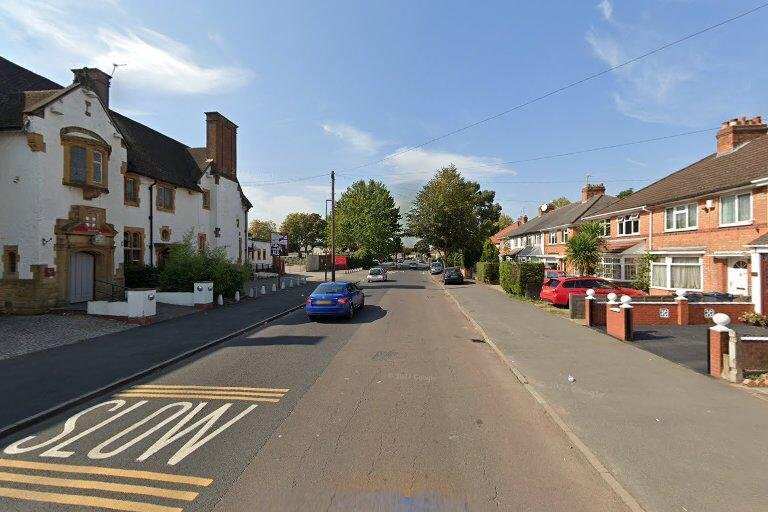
[[85, 253]]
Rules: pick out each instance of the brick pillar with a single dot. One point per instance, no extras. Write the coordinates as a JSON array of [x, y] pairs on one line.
[[619, 319], [719, 346], [589, 304], [683, 309]]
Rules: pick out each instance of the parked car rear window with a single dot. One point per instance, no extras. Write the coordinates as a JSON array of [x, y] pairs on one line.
[[571, 284], [553, 283], [331, 288], [375, 271]]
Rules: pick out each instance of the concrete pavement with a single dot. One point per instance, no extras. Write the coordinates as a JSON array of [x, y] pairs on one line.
[[400, 409], [676, 439]]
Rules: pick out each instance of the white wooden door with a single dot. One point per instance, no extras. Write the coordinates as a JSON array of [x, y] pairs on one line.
[[80, 277], [738, 277]]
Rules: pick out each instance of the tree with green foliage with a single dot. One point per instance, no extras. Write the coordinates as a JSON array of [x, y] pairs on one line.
[[504, 221], [367, 220], [261, 229], [454, 215], [625, 193], [305, 231], [421, 247], [583, 249], [560, 201], [490, 252]]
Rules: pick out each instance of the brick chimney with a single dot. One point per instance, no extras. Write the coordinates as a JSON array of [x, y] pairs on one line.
[[221, 143], [96, 80], [590, 191], [736, 132]]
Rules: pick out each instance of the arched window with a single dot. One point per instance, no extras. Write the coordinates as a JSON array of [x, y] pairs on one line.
[[741, 264]]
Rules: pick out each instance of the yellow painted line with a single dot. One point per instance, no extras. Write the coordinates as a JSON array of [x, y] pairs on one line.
[[86, 501], [95, 484], [96, 470], [219, 388], [182, 395], [207, 392]]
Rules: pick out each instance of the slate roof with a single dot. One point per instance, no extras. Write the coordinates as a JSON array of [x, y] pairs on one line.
[[201, 157], [563, 216], [709, 175], [14, 81]]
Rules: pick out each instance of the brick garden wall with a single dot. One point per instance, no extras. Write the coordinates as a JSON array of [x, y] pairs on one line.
[[752, 354]]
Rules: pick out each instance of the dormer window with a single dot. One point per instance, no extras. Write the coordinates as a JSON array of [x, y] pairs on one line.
[[86, 161]]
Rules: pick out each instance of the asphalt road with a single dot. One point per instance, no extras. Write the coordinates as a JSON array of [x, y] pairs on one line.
[[401, 409]]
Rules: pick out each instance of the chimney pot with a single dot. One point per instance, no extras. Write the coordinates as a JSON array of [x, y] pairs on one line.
[[590, 191], [739, 131]]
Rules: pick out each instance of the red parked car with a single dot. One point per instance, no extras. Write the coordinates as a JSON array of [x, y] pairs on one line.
[[557, 290]]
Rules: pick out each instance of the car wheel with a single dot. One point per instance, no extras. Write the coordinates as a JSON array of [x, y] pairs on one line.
[[311, 318]]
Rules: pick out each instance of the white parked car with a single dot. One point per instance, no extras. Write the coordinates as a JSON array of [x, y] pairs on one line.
[[376, 274]]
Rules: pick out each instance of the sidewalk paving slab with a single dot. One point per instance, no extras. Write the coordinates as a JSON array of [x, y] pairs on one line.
[[676, 439], [38, 381]]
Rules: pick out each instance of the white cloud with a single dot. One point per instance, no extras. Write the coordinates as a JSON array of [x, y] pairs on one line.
[[420, 164], [359, 140], [275, 206], [152, 59], [606, 9]]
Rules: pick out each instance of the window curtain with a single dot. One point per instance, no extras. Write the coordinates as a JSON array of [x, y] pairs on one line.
[[728, 205]]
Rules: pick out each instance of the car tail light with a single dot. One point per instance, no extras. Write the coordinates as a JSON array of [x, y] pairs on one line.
[[309, 301], [343, 300]]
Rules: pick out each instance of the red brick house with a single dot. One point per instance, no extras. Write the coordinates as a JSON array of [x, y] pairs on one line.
[[706, 224], [499, 238]]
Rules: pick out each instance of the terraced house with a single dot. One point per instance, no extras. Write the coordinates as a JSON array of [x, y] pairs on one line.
[[85, 190], [706, 224], [545, 237]]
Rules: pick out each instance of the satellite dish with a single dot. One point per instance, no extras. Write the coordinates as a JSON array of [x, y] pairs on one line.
[[544, 207]]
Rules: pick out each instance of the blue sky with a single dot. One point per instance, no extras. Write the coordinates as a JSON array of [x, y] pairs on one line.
[[316, 86]]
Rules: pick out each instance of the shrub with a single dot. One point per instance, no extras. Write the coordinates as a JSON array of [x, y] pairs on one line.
[[521, 278], [454, 259], [487, 272], [583, 250], [490, 252], [138, 275], [752, 318], [361, 258], [642, 280], [185, 265]]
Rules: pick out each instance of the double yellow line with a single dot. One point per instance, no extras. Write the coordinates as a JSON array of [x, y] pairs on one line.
[[35, 480], [270, 395]]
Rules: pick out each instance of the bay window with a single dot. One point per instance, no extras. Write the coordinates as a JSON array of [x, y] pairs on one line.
[[681, 217], [676, 272], [629, 225], [736, 209]]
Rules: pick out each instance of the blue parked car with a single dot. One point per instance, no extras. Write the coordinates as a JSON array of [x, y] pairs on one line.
[[335, 298]]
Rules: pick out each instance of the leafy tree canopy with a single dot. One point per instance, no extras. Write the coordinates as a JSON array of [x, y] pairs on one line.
[[625, 193], [305, 231], [261, 229], [583, 250], [421, 247], [560, 201], [367, 218], [504, 221], [452, 214]]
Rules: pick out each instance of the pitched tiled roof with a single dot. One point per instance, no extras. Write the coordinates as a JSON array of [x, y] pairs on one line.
[[201, 157], [14, 81], [563, 216], [503, 232], [709, 175], [155, 155]]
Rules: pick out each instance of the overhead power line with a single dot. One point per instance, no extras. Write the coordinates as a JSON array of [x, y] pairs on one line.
[[567, 86], [287, 180]]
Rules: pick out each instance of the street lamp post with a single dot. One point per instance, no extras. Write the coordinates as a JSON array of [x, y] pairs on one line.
[[326, 241]]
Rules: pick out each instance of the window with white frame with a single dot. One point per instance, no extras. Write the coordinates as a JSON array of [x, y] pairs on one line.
[[681, 217], [630, 268], [553, 237], [605, 228], [676, 272], [629, 224], [610, 267], [736, 209], [564, 237]]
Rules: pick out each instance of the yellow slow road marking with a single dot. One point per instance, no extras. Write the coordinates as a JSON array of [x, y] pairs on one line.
[[219, 388], [87, 501], [193, 396], [207, 392], [96, 470], [94, 484]]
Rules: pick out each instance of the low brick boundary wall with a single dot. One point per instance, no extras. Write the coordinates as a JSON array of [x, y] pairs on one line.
[[618, 320], [730, 355], [682, 312]]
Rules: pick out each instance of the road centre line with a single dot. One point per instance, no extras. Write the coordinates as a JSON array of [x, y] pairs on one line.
[[193, 396], [218, 388], [97, 470], [196, 392], [83, 500], [99, 485]]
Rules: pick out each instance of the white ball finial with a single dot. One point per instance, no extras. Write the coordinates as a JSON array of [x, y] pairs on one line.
[[625, 300], [590, 293], [680, 294], [721, 319], [612, 298]]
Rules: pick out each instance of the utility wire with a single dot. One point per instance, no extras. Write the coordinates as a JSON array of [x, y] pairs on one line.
[[568, 86], [287, 180]]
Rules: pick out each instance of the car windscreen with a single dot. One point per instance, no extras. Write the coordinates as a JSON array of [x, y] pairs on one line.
[[331, 288], [375, 272], [552, 283]]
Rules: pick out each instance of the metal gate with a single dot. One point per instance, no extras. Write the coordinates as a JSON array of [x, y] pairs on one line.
[[80, 277]]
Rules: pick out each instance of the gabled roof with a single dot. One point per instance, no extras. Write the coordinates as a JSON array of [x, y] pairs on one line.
[[201, 157], [709, 175], [564, 216], [503, 232], [14, 82], [155, 155]]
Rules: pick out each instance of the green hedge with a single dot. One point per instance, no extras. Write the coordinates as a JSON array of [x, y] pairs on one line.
[[138, 275], [521, 278], [487, 272]]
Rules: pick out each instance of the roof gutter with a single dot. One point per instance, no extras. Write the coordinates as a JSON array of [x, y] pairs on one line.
[[615, 212]]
